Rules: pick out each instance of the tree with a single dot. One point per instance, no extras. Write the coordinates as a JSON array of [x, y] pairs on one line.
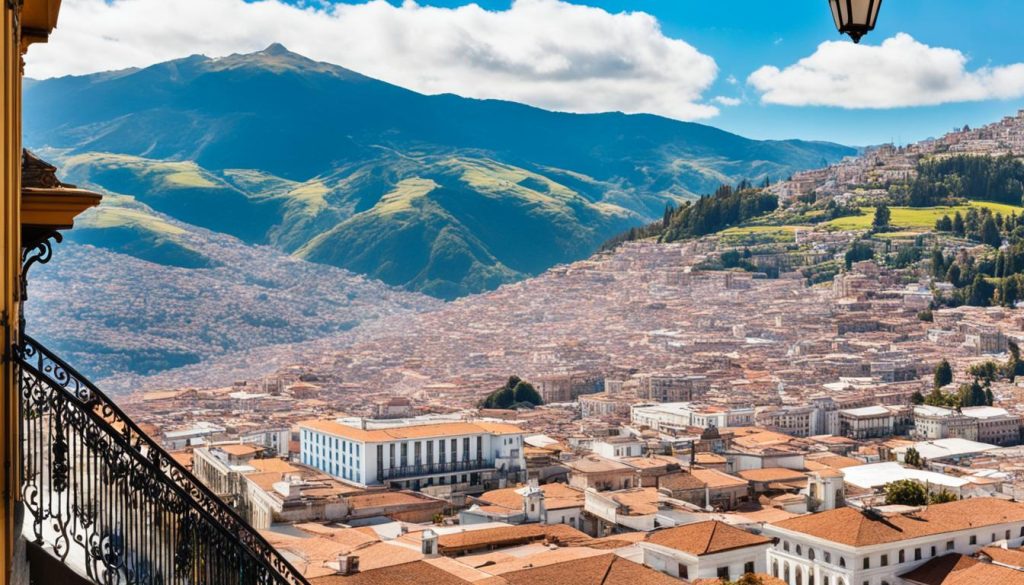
[[938, 263], [858, 252], [882, 217], [905, 492], [912, 458], [990, 233], [943, 374], [917, 398], [972, 394], [943, 497], [525, 392], [980, 292], [504, 397], [987, 371], [958, 224]]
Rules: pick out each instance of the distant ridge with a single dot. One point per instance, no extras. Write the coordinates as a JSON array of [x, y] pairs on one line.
[[440, 194]]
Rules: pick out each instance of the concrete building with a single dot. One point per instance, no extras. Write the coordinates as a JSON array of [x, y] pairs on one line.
[[473, 456], [995, 425], [705, 550], [671, 388], [868, 422], [847, 546], [936, 422], [676, 417]]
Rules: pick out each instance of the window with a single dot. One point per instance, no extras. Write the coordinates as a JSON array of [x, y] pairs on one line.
[[479, 447], [810, 554], [748, 567], [799, 551], [785, 546], [842, 562], [391, 455], [950, 544], [885, 561], [684, 571], [430, 452], [723, 573], [405, 454], [867, 563], [974, 540], [455, 446], [828, 557], [933, 551], [917, 554], [902, 556], [417, 449], [1007, 535], [440, 450]]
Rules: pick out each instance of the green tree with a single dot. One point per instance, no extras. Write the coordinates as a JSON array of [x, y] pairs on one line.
[[943, 374], [912, 458], [882, 217], [972, 394], [942, 497], [980, 292], [905, 492], [917, 398], [858, 252], [990, 232], [958, 224], [987, 371], [938, 264], [525, 392]]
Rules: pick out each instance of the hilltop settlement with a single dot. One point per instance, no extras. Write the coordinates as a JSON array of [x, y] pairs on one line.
[[813, 381]]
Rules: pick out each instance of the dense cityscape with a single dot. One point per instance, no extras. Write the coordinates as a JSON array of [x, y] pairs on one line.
[[692, 423]]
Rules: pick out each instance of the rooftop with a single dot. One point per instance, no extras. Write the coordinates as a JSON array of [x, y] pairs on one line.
[[855, 528], [706, 538]]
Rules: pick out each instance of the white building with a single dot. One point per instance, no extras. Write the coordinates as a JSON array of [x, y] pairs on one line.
[[468, 456], [936, 422], [673, 417], [867, 423], [618, 447], [995, 425], [705, 550], [847, 546]]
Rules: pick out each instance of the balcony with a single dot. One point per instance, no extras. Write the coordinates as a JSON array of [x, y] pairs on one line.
[[105, 500], [393, 473]]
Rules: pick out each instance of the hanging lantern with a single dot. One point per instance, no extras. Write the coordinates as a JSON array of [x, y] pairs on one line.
[[855, 17]]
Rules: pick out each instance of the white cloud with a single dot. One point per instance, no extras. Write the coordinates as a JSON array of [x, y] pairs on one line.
[[900, 72], [547, 53], [727, 101]]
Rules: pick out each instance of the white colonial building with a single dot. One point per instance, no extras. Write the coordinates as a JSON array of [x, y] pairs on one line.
[[705, 550], [415, 454], [848, 546]]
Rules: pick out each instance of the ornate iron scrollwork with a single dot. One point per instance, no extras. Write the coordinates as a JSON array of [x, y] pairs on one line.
[[93, 482], [38, 253]]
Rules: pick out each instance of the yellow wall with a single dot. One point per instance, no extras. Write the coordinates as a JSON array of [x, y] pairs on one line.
[[10, 263]]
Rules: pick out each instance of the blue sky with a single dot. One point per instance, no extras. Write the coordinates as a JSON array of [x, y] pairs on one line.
[[744, 35], [761, 69]]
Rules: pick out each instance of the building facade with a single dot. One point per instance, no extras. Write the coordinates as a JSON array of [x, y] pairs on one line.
[[471, 455]]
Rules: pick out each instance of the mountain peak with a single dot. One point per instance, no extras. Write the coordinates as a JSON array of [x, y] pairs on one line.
[[276, 49]]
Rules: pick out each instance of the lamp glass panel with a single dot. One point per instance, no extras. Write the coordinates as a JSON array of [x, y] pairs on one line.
[[874, 13], [861, 10], [844, 12], [834, 4]]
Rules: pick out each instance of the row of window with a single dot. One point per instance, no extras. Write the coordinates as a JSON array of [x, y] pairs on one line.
[[901, 555]]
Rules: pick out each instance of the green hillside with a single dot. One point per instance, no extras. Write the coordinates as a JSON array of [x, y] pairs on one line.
[[440, 194]]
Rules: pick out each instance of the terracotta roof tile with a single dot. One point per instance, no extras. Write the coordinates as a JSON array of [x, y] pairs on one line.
[[706, 538], [855, 528], [962, 570]]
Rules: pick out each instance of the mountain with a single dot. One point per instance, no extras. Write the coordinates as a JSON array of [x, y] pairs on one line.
[[182, 294], [440, 194]]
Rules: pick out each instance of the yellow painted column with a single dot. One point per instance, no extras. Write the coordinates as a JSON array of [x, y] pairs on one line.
[[10, 263]]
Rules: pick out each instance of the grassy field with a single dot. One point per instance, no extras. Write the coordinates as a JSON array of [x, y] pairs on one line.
[[915, 218], [760, 234]]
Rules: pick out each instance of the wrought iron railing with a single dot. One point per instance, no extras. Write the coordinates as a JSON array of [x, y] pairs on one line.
[[109, 500], [406, 471]]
